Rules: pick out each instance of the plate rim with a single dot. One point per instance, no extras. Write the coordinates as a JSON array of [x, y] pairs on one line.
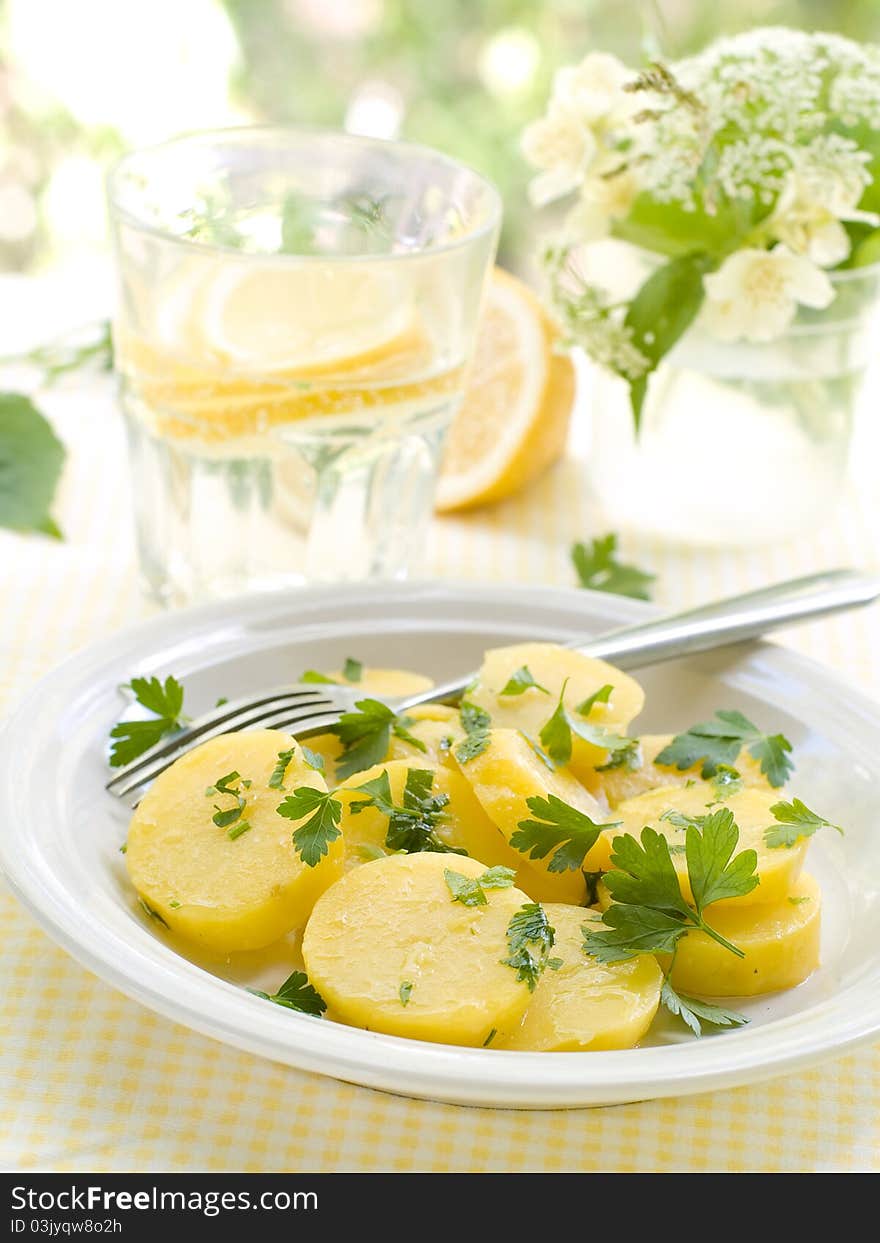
[[493, 1078]]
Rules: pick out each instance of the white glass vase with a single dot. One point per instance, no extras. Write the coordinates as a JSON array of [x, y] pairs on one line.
[[739, 444]]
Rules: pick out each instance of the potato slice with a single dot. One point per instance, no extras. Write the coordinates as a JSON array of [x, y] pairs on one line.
[[389, 950], [550, 665], [438, 727], [223, 893], [463, 825], [778, 867], [618, 784], [585, 1004], [506, 774], [780, 940], [385, 683]]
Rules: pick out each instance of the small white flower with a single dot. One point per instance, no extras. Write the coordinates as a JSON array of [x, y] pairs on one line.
[[594, 88], [562, 145], [602, 201], [754, 294], [808, 214]]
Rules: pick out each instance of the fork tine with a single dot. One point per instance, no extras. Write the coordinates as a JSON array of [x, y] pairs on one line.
[[226, 719], [317, 719]]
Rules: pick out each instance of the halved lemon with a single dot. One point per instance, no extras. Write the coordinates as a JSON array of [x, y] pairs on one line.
[[513, 421]]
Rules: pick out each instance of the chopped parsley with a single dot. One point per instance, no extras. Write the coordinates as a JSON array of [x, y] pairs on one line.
[[601, 696], [365, 734], [716, 744], [405, 991], [470, 890], [296, 993], [165, 702], [352, 670], [794, 820], [570, 834], [149, 910], [530, 937], [412, 824], [476, 724], [521, 681], [598, 569], [556, 735], [312, 839]]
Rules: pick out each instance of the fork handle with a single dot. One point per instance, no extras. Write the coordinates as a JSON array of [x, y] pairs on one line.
[[731, 620]]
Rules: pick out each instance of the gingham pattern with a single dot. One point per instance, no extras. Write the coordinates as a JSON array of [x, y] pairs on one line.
[[90, 1081]]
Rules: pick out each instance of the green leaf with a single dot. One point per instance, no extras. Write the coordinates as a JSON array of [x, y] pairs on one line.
[[276, 780], [476, 724], [313, 759], [352, 670], [598, 569], [694, 1012], [243, 826], [644, 875], [556, 735], [521, 681], [153, 914], [569, 833], [530, 937], [633, 930], [601, 696], [31, 459], [405, 991], [470, 891], [715, 745], [712, 872], [165, 699], [312, 839], [795, 820], [662, 310], [312, 675], [296, 993], [364, 734], [412, 825], [726, 782], [133, 738]]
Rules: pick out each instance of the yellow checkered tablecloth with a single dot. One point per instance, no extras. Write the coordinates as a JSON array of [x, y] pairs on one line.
[[89, 1081]]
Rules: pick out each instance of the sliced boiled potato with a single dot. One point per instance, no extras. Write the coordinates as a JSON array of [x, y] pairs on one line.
[[503, 777], [622, 783], [587, 1005], [778, 867], [462, 825], [551, 666], [227, 893], [780, 940], [437, 726], [377, 683], [389, 950]]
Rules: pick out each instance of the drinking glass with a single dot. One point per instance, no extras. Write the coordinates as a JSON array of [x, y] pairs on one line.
[[296, 311]]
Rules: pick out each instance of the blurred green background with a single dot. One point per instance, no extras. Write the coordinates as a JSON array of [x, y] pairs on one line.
[[81, 80]]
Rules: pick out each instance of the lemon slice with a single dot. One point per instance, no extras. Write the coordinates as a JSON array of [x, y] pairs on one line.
[[296, 318], [513, 421]]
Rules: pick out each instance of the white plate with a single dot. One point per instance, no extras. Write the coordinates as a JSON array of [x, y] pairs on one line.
[[60, 832]]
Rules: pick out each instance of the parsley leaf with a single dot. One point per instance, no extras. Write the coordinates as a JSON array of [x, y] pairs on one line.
[[352, 670], [598, 569], [366, 733], [313, 759], [276, 781], [312, 675], [296, 993], [476, 724], [133, 738], [556, 735], [31, 460], [405, 991], [716, 744], [794, 821], [521, 681], [470, 890], [591, 880], [530, 937], [648, 913], [312, 839], [725, 783], [601, 696], [695, 1012], [412, 826], [569, 833], [153, 914], [229, 785]]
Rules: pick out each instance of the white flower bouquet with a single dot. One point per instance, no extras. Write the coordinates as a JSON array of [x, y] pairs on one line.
[[746, 172]]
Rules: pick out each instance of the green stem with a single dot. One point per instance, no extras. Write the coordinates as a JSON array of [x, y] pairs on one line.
[[716, 936]]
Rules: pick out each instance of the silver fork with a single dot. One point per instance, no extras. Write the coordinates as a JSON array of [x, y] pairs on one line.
[[305, 710]]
